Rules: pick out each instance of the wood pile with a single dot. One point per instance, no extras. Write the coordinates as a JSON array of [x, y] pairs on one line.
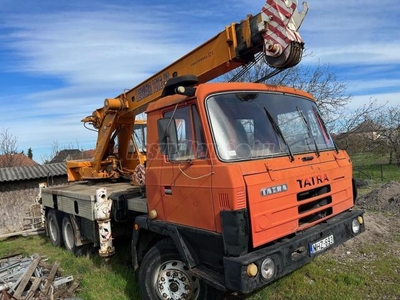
[[33, 278]]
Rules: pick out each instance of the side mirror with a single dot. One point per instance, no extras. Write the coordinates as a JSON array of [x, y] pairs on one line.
[[167, 137]]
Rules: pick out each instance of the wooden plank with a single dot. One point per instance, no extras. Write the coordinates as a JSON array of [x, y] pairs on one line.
[[7, 257], [35, 230], [34, 287], [50, 278], [5, 295], [61, 293], [25, 279], [44, 264], [73, 287]]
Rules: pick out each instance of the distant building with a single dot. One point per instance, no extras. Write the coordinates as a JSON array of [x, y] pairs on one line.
[[71, 154], [368, 129], [16, 160], [19, 187]]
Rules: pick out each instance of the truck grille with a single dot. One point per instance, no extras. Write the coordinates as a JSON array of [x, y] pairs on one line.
[[318, 204], [313, 193], [314, 204], [315, 216]]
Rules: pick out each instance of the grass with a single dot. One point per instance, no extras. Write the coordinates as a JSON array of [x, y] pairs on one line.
[[372, 273], [98, 280], [374, 167], [327, 278]]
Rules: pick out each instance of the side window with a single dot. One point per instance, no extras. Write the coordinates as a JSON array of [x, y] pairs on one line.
[[191, 142], [184, 132], [139, 137]]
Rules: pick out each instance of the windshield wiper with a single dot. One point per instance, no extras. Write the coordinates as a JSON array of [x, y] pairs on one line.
[[278, 130], [308, 129]]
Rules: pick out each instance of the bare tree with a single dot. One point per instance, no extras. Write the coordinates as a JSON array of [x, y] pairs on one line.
[[56, 149], [319, 81], [8, 149], [329, 91], [388, 135], [352, 127]]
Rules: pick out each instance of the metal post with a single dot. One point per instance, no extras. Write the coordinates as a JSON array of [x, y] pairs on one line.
[[102, 215], [42, 186]]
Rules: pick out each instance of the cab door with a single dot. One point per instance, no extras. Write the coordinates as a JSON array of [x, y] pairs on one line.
[[186, 174]]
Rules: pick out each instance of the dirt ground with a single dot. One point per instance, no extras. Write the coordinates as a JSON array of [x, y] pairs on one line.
[[382, 222]]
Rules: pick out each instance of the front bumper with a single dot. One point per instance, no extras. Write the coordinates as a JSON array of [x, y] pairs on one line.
[[288, 254]]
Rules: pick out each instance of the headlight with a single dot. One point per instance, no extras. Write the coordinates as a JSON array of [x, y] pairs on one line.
[[268, 268], [355, 226]]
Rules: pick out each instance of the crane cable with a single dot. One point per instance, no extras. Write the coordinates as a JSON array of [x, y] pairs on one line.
[[247, 67], [294, 57]]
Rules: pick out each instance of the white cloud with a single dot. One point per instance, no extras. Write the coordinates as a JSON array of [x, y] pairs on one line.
[[91, 47], [387, 99], [97, 53], [369, 54]]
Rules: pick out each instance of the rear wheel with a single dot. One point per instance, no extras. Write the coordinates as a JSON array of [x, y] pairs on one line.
[[53, 228], [68, 235], [163, 275]]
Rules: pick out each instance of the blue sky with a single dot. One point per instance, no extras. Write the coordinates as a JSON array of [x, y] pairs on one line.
[[60, 59]]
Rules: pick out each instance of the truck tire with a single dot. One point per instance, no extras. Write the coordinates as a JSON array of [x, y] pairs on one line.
[[163, 275], [68, 235], [53, 228]]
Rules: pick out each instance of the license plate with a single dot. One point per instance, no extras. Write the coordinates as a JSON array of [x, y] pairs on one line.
[[321, 245]]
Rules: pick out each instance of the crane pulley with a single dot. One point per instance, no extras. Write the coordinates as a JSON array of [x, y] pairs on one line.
[[281, 21]]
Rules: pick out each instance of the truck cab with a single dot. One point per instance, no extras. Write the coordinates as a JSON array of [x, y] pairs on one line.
[[248, 179]]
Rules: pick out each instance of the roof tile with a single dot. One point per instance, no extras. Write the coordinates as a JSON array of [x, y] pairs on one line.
[[32, 172]]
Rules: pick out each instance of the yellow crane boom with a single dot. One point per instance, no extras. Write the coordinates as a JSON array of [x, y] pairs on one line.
[[273, 31]]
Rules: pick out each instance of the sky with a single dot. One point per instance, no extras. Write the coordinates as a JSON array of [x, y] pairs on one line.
[[60, 59]]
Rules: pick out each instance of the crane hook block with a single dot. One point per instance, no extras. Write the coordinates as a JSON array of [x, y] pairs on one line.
[[280, 22]]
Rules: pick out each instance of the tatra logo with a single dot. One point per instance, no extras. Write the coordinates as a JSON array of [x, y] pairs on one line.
[[274, 189], [313, 180]]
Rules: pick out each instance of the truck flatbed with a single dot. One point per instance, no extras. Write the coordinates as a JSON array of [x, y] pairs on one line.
[[79, 198]]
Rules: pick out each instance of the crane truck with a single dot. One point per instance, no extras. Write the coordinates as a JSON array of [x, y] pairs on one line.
[[227, 186]]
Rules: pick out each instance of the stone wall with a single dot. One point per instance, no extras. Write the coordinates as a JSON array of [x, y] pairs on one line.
[[16, 198]]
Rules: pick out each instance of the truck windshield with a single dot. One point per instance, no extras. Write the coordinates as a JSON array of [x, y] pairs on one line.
[[253, 125]]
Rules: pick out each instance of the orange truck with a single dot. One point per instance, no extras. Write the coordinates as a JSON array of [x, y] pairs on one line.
[[227, 186]]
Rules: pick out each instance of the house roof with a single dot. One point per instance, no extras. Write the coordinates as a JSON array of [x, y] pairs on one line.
[[32, 172], [366, 127], [72, 154], [16, 160]]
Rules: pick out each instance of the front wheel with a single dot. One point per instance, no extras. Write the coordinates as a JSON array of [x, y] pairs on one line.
[[163, 275]]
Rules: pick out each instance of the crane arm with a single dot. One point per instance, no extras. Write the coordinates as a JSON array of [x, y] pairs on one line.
[[273, 31]]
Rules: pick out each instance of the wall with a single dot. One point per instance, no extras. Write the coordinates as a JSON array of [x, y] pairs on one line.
[[16, 198]]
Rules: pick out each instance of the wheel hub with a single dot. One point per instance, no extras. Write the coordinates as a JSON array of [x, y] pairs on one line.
[[69, 236], [175, 282]]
